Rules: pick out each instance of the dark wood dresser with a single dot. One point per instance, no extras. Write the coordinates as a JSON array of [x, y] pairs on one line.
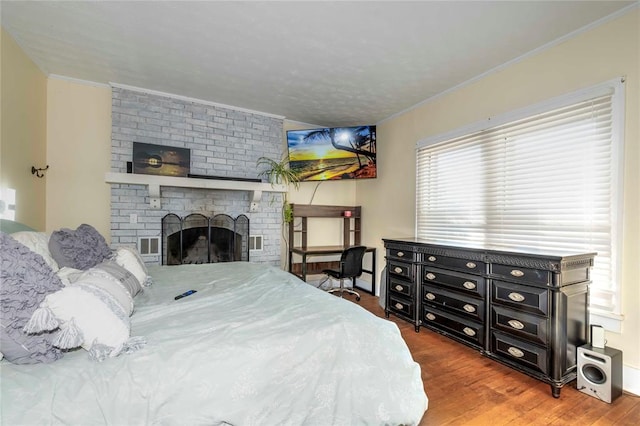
[[527, 309]]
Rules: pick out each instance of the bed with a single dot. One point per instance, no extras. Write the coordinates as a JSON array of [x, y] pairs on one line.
[[253, 345]]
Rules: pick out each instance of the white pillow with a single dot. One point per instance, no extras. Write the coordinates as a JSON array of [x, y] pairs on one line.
[[128, 258], [109, 283], [69, 275], [86, 314], [37, 242]]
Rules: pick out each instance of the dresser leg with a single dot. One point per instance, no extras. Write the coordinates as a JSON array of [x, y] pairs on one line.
[[417, 328], [555, 391]]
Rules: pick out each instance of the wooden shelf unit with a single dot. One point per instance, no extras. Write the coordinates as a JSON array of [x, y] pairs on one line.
[[351, 236], [305, 211]]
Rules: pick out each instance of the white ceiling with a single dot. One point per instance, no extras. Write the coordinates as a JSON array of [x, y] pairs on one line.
[[327, 63]]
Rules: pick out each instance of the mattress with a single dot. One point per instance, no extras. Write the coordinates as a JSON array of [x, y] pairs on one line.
[[253, 345]]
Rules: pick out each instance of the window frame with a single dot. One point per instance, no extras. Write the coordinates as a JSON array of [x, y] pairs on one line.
[[610, 320]]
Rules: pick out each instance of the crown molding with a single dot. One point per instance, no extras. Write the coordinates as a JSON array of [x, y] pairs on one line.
[[189, 99], [79, 81]]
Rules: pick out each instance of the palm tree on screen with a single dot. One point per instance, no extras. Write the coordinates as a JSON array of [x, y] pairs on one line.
[[355, 141]]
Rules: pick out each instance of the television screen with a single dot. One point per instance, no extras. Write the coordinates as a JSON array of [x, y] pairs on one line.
[[333, 153]]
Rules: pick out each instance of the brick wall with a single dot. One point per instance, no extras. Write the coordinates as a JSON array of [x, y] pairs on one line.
[[223, 142]]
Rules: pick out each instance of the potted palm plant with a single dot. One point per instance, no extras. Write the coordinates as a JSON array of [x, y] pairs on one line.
[[279, 172]]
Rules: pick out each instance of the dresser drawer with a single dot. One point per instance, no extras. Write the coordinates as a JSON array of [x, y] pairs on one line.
[[401, 269], [525, 298], [467, 330], [525, 275], [401, 254], [401, 306], [471, 266], [519, 351], [526, 326], [401, 287], [470, 284], [452, 302]]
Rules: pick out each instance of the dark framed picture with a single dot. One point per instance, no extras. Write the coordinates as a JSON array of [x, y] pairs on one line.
[[150, 159]]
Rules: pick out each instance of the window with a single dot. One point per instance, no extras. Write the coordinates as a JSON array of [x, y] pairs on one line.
[[546, 177]]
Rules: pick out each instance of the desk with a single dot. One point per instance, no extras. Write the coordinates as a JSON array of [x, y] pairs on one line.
[[310, 251]]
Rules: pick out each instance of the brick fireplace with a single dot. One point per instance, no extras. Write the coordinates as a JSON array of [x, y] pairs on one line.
[[224, 142]]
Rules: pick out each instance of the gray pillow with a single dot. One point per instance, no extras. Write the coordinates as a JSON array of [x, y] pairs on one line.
[[25, 280], [128, 280], [82, 248]]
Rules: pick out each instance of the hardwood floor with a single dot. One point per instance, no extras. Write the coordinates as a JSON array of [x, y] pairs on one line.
[[465, 388]]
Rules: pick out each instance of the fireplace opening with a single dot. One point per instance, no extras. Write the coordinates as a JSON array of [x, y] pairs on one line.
[[197, 238]]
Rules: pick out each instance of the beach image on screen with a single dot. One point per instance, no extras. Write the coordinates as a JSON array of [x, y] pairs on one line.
[[333, 153]]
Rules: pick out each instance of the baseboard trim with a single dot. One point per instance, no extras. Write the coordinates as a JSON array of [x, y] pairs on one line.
[[631, 380]]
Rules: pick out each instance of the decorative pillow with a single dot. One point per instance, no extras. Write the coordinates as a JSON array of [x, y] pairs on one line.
[[82, 249], [25, 281], [128, 258], [88, 316], [68, 275], [122, 275], [37, 242], [108, 276]]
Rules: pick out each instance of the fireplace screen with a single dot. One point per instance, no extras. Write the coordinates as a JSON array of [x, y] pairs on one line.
[[197, 238]]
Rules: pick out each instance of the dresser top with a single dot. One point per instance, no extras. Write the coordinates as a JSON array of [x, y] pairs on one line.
[[558, 255]]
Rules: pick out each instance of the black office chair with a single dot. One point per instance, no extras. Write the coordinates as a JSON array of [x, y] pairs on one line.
[[350, 267]]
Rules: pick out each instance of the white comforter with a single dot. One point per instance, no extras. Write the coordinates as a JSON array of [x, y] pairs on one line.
[[253, 346]]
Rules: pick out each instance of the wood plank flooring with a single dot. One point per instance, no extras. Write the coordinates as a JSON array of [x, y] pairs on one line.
[[465, 388]]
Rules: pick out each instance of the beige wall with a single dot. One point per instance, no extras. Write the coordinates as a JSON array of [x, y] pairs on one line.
[[23, 133], [608, 51], [79, 153]]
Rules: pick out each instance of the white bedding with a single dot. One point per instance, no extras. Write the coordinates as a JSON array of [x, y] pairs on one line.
[[253, 346]]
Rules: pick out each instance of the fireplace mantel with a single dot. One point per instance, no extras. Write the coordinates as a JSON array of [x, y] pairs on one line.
[[155, 182]]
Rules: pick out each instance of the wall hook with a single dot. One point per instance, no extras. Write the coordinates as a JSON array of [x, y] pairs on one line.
[[38, 172]]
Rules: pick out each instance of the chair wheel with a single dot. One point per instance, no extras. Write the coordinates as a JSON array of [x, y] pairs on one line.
[[358, 299]]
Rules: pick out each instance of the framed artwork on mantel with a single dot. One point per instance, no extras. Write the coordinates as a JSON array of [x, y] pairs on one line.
[[151, 159]]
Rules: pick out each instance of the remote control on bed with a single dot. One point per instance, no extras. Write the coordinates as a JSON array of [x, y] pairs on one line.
[[185, 294]]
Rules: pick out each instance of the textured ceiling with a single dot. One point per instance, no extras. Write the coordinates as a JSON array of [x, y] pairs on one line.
[[327, 63]]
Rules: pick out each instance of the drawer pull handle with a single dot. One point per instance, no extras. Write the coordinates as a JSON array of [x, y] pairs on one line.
[[516, 324], [430, 296], [516, 297], [517, 273], [515, 352], [398, 269], [469, 285], [430, 276], [471, 265], [469, 308], [399, 305], [430, 316], [431, 258], [469, 331], [400, 254], [399, 287]]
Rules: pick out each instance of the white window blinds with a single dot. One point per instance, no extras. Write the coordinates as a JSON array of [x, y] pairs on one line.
[[546, 177]]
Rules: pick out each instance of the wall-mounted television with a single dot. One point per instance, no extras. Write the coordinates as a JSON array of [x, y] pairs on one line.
[[332, 153]]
